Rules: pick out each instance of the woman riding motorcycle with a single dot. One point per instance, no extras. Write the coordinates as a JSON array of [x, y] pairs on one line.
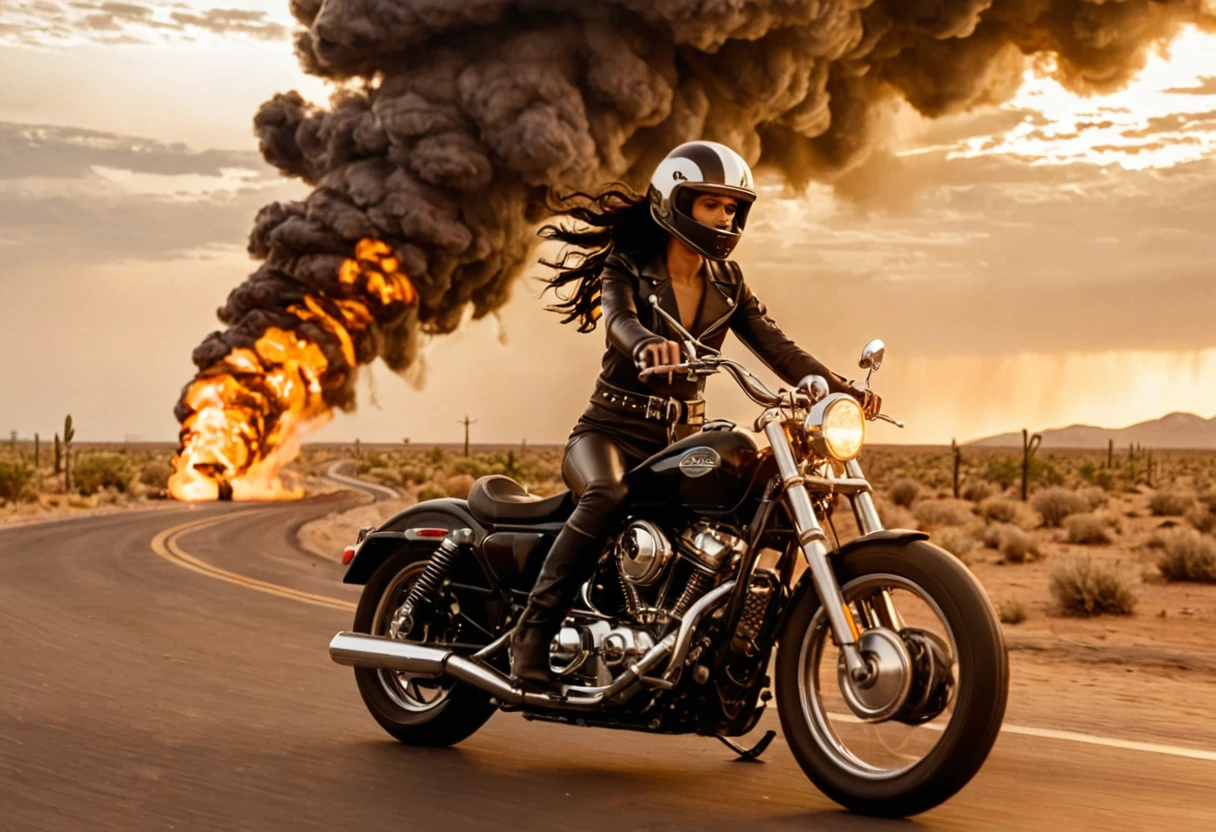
[[672, 244]]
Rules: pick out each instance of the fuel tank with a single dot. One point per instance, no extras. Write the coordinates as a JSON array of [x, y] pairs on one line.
[[709, 471]]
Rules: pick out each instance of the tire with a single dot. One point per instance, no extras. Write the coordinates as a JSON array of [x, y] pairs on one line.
[[456, 718], [979, 704]]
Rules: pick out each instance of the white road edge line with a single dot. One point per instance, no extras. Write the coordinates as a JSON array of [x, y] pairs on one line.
[[1074, 736], [1108, 742], [165, 545]]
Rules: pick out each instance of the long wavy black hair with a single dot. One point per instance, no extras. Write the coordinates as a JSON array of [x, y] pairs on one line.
[[616, 220]]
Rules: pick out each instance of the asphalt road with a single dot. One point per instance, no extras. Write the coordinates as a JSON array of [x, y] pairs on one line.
[[161, 677]]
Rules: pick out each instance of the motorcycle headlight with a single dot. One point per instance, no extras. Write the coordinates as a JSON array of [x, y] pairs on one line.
[[837, 427]]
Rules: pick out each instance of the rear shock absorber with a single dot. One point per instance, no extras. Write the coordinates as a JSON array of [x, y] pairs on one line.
[[425, 590]]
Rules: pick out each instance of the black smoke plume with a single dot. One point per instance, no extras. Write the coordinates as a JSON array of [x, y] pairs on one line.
[[455, 118]]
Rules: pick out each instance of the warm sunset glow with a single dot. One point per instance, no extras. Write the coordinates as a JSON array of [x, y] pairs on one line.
[[1166, 115]]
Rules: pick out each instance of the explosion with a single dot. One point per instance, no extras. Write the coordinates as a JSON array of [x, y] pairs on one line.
[[454, 121], [245, 414]]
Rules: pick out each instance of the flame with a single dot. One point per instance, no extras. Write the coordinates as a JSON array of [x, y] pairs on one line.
[[250, 411]]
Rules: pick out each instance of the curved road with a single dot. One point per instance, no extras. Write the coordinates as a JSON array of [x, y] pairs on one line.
[[168, 670]]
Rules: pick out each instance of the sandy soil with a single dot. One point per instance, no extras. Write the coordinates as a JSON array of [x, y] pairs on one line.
[[329, 535], [1173, 616], [50, 508]]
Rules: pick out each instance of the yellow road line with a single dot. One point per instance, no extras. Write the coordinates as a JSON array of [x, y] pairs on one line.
[[165, 545]]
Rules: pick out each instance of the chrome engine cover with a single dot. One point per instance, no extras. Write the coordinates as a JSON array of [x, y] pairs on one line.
[[643, 553], [625, 645], [711, 546]]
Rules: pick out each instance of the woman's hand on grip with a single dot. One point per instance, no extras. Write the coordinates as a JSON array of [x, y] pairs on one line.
[[664, 354]]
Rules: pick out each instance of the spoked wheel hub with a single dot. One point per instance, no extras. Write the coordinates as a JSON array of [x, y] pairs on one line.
[[884, 689], [407, 691]]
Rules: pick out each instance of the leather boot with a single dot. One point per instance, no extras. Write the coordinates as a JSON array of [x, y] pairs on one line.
[[566, 568]]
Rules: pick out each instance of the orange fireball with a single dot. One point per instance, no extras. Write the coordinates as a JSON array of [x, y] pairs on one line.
[[249, 412]]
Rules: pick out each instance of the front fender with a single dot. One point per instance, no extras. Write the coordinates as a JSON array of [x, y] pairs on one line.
[[898, 537]]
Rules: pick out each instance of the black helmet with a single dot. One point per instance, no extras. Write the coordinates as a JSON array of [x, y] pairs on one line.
[[701, 167]]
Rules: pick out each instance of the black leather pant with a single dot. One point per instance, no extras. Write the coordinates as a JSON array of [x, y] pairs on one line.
[[594, 467]]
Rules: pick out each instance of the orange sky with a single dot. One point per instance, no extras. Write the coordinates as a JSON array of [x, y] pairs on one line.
[[1044, 263]]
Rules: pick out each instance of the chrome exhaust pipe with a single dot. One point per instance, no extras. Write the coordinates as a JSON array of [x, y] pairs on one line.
[[378, 652], [363, 650]]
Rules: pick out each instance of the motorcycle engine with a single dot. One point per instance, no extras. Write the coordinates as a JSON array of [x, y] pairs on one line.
[[661, 581]]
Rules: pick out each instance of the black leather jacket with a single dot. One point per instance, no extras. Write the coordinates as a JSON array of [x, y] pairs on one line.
[[728, 304]]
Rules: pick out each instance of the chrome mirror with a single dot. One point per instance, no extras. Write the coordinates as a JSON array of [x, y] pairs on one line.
[[871, 355]]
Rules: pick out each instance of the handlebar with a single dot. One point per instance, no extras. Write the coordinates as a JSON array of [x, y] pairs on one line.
[[710, 361], [752, 386]]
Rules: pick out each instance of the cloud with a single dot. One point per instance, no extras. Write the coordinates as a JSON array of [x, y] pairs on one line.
[[56, 152], [53, 229], [62, 23], [1206, 86], [993, 256], [1176, 123], [61, 201]]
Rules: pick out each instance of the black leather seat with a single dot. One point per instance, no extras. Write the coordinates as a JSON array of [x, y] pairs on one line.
[[497, 499]]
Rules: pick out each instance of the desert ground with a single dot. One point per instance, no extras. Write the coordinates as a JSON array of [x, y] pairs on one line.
[[1105, 576]]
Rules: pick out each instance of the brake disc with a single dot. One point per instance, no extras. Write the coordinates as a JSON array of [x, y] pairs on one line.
[[933, 687]]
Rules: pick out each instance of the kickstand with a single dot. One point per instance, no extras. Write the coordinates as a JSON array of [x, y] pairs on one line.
[[748, 755]]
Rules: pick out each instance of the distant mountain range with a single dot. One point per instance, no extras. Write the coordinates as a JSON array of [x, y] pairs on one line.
[[1175, 430]]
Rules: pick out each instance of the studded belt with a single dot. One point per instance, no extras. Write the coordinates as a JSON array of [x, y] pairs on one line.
[[655, 408]]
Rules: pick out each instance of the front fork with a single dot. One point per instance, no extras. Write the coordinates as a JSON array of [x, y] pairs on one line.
[[814, 545]]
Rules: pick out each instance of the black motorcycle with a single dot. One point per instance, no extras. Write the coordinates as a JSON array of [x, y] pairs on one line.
[[891, 670]]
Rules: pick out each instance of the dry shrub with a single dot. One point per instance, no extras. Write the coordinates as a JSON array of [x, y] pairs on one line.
[[1088, 586], [1017, 545], [1202, 518], [458, 485], [431, 491], [957, 541], [937, 513], [384, 476], [976, 491], [155, 474], [1170, 503], [15, 479], [903, 492], [1096, 497], [1000, 510], [1055, 504], [1090, 528], [1208, 498], [98, 471], [993, 533], [1187, 555], [1012, 611], [895, 517]]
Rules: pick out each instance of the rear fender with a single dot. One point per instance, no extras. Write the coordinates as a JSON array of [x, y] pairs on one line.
[[399, 532], [897, 537]]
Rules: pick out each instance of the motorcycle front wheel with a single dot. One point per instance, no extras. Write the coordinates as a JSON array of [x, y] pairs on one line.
[[921, 724]]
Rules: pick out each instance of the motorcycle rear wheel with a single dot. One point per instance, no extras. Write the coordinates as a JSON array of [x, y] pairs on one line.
[[418, 712], [977, 694]]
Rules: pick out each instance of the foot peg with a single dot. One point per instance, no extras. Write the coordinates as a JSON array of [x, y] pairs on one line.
[[748, 755]]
